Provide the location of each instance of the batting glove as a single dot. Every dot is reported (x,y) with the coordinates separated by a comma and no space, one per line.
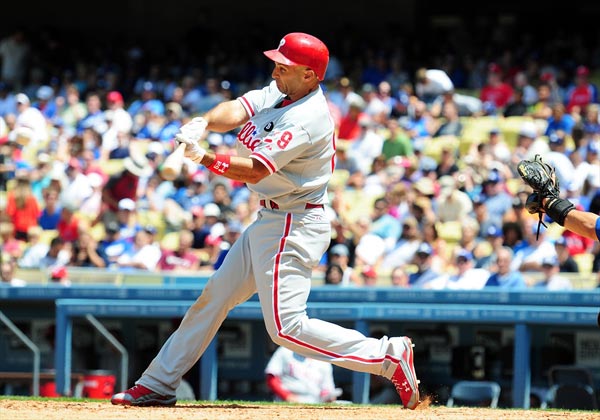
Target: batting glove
(190,134)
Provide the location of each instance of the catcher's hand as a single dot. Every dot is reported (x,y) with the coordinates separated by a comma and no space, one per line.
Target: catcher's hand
(540,176)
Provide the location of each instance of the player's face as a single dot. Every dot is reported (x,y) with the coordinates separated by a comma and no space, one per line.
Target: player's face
(289,79)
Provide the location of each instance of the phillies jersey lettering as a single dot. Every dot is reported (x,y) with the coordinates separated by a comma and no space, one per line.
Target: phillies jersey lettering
(289,143)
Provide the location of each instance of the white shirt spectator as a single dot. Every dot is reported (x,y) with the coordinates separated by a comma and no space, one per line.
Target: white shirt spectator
(32,119)
(437,83)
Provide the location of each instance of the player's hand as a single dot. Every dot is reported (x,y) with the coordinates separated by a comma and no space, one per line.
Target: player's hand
(293,398)
(190,134)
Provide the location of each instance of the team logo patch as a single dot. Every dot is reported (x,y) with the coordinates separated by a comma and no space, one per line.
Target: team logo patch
(281,43)
(269,127)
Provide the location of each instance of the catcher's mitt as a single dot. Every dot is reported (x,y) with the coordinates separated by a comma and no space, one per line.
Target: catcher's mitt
(541,177)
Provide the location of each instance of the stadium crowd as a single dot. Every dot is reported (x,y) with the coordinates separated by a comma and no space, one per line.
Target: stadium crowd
(425,191)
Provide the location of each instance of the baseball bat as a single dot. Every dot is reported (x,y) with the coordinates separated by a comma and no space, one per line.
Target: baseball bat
(171,167)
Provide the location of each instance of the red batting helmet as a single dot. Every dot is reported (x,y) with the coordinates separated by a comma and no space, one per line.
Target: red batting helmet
(299,49)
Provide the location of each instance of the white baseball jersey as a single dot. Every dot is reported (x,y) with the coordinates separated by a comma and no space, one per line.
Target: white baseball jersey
(306,378)
(291,143)
(276,254)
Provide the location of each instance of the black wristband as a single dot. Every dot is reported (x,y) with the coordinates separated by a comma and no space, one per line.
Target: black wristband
(558,208)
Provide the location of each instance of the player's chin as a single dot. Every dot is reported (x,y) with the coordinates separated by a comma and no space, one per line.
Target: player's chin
(280,86)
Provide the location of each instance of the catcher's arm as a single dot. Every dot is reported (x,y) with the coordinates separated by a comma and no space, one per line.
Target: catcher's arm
(583,223)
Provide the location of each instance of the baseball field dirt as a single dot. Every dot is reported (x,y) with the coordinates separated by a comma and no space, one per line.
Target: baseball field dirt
(18,409)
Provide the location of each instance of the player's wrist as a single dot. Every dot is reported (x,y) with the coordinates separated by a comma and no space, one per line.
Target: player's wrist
(557,209)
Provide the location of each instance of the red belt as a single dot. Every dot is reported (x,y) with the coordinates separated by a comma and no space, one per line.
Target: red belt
(275,206)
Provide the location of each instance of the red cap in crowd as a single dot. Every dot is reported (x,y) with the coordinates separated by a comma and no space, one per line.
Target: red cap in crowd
(114,96)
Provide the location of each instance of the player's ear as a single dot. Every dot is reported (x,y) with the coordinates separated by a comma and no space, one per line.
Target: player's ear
(309,74)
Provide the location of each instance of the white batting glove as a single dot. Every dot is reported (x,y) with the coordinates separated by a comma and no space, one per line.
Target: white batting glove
(190,134)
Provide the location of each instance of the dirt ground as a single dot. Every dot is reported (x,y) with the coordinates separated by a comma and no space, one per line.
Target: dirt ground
(94,410)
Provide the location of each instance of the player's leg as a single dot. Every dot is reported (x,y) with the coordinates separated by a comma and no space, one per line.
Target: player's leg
(232,284)
(283,258)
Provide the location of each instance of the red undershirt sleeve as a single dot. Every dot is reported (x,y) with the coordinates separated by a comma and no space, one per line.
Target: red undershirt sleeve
(274,384)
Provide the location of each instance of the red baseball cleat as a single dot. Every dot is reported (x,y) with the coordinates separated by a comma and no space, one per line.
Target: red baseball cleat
(405,377)
(141,396)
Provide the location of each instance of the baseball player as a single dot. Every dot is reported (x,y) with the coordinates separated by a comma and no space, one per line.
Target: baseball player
(295,378)
(285,154)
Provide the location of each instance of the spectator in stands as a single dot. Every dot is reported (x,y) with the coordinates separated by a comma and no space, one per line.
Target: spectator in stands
(344,161)
(396,142)
(557,158)
(142,255)
(295,378)
(399,277)
(551,278)
(383,224)
(542,108)
(91,206)
(486,252)
(469,234)
(50,215)
(174,115)
(451,126)
(151,120)
(233,230)
(534,249)
(85,253)
(447,164)
(517,106)
(126,217)
(35,250)
(58,255)
(69,224)
(419,123)
(111,247)
(503,276)
(431,83)
(466,277)
(9,245)
(496,91)
(497,200)
(121,120)
(407,245)
(73,110)
(522,83)
(123,185)
(467,105)
(482,216)
(22,207)
(30,123)
(397,197)
(339,254)
(95,118)
(349,128)
(566,262)
(182,259)
(497,146)
(582,92)
(77,188)
(7,273)
(560,121)
(333,274)
(367,146)
(452,204)
(426,276)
